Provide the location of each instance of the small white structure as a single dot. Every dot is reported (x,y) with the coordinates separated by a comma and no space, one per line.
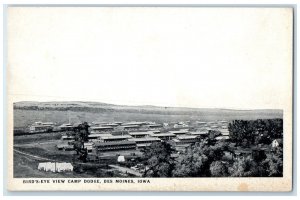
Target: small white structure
(121,159)
(165,124)
(55,167)
(223,137)
(276,143)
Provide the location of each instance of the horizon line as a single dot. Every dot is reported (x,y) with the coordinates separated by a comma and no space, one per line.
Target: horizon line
(149,105)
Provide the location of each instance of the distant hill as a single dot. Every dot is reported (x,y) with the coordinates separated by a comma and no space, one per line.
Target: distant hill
(28,112)
(86,106)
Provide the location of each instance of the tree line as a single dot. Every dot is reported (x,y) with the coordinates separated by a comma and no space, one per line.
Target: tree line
(255,131)
(202,160)
(210,158)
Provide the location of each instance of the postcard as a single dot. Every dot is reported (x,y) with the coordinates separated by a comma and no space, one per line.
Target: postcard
(149,98)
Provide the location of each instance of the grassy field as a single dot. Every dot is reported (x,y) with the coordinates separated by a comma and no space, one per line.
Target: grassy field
(37,138)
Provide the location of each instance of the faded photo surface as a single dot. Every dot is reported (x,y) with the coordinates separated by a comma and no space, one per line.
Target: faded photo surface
(149,98)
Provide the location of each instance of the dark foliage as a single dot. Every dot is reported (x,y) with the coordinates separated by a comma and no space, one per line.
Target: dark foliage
(255,131)
(81,136)
(158,160)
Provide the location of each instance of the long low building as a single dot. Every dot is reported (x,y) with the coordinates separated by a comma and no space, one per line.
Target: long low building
(66,127)
(140,134)
(41,127)
(224,131)
(129,127)
(113,146)
(110,125)
(68,137)
(143,142)
(153,131)
(96,136)
(100,129)
(114,138)
(164,136)
(134,123)
(180,132)
(186,139)
(155,126)
(201,134)
(119,133)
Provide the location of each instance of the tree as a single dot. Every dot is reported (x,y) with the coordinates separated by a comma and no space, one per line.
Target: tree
(256,131)
(247,167)
(82,130)
(218,169)
(239,130)
(213,133)
(158,160)
(192,164)
(197,160)
(274,163)
(81,136)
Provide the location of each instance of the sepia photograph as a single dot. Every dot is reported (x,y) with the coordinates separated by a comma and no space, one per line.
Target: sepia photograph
(149,98)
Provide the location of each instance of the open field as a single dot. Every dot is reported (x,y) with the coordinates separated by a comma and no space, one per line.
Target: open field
(37,138)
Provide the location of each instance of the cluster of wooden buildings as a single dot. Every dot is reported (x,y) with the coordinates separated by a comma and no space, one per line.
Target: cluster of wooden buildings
(119,136)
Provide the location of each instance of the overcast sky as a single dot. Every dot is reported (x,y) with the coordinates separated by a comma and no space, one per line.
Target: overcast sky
(191,57)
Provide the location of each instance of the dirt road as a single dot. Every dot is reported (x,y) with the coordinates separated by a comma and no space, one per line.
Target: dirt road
(126,170)
(33,156)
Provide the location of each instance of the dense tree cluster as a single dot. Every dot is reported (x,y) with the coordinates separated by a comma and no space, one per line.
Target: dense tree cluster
(158,159)
(221,158)
(255,131)
(202,160)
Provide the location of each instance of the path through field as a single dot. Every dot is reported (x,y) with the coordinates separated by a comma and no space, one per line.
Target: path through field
(33,156)
(35,144)
(126,170)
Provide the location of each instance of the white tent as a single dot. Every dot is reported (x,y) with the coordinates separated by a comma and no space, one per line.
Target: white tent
(55,167)
(121,159)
